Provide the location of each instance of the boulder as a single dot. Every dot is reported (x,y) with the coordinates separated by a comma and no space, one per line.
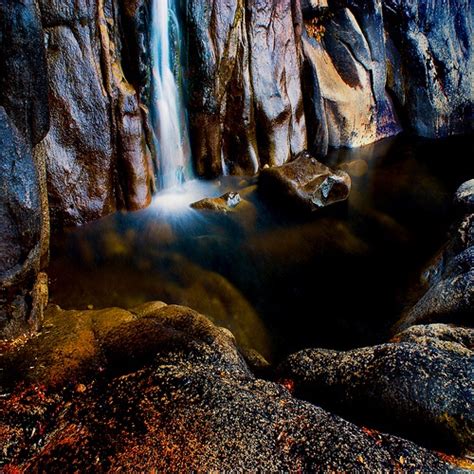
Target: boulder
(418,386)
(224,204)
(448,280)
(306,183)
(20,228)
(173,392)
(430,56)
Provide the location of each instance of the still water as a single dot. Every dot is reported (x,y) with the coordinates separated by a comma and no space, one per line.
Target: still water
(339,278)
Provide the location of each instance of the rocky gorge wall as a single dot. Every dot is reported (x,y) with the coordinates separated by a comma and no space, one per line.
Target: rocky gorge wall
(267,80)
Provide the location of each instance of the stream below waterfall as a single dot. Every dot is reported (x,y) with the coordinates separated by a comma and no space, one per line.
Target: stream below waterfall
(339,278)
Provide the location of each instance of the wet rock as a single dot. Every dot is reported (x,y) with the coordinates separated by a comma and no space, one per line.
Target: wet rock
(246,107)
(95,150)
(464,197)
(191,403)
(419,388)
(345,99)
(430,57)
(225,203)
(23,69)
(305,182)
(20,228)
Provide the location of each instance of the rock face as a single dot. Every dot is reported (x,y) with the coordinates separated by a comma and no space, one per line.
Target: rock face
(24,121)
(306,182)
(20,227)
(419,385)
(430,56)
(96,146)
(246,105)
(345,74)
(174,393)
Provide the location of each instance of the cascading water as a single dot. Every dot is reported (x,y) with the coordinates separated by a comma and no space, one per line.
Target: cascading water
(168,111)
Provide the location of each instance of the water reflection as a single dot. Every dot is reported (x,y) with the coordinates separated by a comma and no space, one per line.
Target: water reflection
(336,279)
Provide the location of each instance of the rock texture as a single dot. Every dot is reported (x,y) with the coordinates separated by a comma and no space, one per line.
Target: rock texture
(96,146)
(167,390)
(419,385)
(305,183)
(345,74)
(246,105)
(20,227)
(24,121)
(430,57)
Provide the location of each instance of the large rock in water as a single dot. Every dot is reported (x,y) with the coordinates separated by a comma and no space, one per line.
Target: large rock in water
(95,152)
(420,385)
(430,56)
(246,105)
(305,183)
(161,388)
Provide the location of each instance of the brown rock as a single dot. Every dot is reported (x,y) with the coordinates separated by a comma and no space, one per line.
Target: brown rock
(305,182)
(225,203)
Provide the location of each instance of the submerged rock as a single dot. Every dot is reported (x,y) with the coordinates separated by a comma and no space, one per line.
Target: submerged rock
(167,277)
(225,203)
(173,392)
(305,182)
(419,385)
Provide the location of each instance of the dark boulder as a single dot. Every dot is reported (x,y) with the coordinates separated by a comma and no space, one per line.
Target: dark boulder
(170,391)
(464,197)
(20,227)
(430,56)
(420,388)
(306,183)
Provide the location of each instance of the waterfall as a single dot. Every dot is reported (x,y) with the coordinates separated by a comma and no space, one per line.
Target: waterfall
(168,112)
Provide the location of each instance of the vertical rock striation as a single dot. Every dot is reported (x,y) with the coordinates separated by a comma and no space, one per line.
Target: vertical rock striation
(95,150)
(246,105)
(24,121)
(430,58)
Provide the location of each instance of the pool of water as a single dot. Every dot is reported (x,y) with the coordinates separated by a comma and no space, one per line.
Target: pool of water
(338,278)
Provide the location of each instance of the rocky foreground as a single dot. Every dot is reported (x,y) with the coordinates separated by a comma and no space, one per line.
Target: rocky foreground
(161,387)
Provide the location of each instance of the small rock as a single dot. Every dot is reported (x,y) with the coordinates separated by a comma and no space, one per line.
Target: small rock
(224,203)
